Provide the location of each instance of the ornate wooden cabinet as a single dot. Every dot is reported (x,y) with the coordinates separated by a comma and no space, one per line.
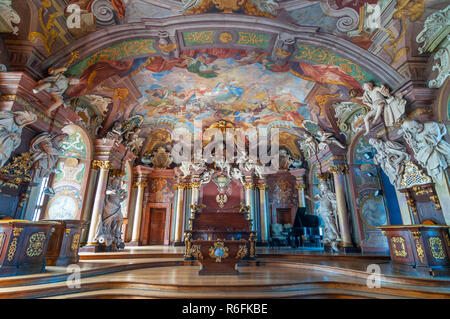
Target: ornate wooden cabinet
(422,248)
(219,240)
(65,242)
(23,246)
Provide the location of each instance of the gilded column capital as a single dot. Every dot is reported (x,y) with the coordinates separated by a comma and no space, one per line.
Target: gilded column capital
(300,186)
(195,185)
(182,185)
(102,164)
(262,186)
(142,184)
(249,185)
(336,169)
(322,176)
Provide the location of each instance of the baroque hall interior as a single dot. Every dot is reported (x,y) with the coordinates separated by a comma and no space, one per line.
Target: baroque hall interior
(203,144)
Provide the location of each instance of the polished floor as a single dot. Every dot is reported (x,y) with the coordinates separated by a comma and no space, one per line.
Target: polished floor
(141,272)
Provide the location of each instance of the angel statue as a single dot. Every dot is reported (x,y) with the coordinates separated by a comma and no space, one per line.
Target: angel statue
(391,157)
(310,145)
(327,211)
(379,100)
(55,84)
(326,138)
(11,125)
(430,148)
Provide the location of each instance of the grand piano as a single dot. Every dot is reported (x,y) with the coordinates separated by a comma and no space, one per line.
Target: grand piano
(306,231)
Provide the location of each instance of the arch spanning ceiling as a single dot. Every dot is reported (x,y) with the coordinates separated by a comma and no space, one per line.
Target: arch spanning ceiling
(253,71)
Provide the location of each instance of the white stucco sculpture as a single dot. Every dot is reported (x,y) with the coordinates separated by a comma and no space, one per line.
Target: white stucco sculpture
(55,84)
(45,151)
(430,149)
(327,211)
(11,125)
(391,157)
(380,100)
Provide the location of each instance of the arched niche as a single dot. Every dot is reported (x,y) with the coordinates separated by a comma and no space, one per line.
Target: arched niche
(71,180)
(369,189)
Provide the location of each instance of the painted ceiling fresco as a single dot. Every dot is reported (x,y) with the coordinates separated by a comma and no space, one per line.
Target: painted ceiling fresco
(196,71)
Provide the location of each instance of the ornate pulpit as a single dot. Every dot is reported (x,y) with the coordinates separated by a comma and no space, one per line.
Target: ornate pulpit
(219,240)
(421,248)
(23,245)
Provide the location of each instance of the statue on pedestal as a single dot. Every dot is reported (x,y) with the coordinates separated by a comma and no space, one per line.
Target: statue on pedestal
(430,149)
(11,125)
(45,150)
(379,99)
(109,231)
(327,211)
(392,157)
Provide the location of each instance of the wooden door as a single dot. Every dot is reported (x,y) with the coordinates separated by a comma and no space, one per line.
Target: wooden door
(157,226)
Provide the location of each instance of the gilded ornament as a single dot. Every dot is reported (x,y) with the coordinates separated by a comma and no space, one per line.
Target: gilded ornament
(107,165)
(12,249)
(437,250)
(300,187)
(17,231)
(399,252)
(228,6)
(226,37)
(36,245)
(435,200)
(219,251)
(75,242)
(242,252)
(196,252)
(249,186)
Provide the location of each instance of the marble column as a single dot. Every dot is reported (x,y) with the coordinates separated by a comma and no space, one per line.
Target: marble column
(100,190)
(249,186)
(137,218)
(301,194)
(195,185)
(179,214)
(338,171)
(264,214)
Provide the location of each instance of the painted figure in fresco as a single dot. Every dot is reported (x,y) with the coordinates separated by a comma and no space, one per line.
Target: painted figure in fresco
(430,149)
(11,125)
(379,99)
(109,231)
(56,85)
(45,151)
(392,157)
(327,211)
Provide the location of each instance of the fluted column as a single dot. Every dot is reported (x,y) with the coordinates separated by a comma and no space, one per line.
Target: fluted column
(137,219)
(179,213)
(264,218)
(100,190)
(342,212)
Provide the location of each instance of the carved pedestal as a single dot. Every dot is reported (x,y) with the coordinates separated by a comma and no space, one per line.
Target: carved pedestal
(23,246)
(422,248)
(65,242)
(219,257)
